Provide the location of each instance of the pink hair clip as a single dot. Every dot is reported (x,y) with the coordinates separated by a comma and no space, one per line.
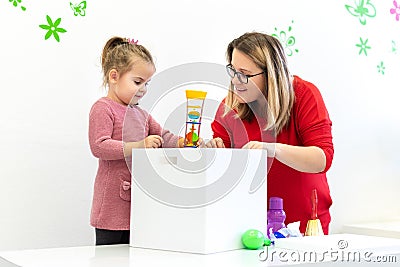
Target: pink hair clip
(132,41)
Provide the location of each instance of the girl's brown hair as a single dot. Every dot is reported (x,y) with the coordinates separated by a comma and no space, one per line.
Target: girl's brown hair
(120,54)
(268,54)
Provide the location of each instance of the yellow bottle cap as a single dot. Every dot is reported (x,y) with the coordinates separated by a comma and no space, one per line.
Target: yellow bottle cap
(196,94)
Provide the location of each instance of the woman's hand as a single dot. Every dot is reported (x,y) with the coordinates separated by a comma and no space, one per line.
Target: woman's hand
(200,142)
(215,143)
(270,147)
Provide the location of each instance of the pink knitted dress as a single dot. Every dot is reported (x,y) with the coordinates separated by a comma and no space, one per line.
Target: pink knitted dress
(111,198)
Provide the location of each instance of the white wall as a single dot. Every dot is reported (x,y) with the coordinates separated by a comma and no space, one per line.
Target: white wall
(46,168)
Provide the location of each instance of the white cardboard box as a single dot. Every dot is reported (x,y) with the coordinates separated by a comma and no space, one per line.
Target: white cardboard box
(197,200)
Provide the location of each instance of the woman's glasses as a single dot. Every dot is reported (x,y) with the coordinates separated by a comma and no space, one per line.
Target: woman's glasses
(243,78)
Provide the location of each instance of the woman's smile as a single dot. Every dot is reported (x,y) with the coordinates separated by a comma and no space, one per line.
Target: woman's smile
(240,89)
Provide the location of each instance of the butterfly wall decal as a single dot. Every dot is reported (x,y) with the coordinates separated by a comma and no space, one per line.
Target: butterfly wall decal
(79,9)
(362,10)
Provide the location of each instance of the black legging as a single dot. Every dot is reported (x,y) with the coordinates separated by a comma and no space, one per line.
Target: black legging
(111,237)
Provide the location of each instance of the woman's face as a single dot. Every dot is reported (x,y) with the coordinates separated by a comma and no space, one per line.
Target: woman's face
(252,91)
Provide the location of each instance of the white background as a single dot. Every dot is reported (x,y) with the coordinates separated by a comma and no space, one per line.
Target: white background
(46,168)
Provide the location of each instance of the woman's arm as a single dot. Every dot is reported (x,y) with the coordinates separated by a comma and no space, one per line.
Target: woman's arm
(309,159)
(221,137)
(314,151)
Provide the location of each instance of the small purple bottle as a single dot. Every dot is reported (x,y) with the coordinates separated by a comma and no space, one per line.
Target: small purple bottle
(276,215)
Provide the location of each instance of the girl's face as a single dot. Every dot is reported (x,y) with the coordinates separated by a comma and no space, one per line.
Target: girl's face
(250,92)
(130,87)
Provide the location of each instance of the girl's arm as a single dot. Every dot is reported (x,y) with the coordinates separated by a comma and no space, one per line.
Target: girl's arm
(101,127)
(169,139)
(128,146)
(151,141)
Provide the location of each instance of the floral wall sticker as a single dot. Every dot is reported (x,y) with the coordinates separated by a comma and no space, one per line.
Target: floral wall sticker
(16,3)
(396,10)
(288,41)
(363,46)
(361,10)
(381,68)
(52,28)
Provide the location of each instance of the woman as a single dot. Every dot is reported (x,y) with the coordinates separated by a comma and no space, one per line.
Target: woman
(268,108)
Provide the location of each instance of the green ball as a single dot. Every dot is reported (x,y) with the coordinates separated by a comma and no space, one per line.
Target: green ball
(253,239)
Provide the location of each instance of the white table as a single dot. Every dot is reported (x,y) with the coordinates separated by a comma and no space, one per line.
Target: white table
(123,255)
(386,228)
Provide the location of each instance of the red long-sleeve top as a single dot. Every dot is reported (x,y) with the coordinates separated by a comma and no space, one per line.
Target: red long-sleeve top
(309,125)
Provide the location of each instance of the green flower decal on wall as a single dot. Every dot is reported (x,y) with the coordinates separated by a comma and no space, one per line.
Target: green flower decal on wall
(381,68)
(16,2)
(79,9)
(52,28)
(287,40)
(363,46)
(362,10)
(394,47)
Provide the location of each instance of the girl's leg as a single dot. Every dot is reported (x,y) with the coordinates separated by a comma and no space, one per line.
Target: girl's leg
(111,237)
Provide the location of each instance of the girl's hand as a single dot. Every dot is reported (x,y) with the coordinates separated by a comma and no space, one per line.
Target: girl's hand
(152,141)
(270,147)
(215,143)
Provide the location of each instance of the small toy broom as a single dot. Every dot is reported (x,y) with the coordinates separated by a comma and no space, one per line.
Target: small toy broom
(314,227)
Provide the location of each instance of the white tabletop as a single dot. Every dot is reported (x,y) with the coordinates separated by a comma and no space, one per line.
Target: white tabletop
(385,228)
(123,256)
(283,253)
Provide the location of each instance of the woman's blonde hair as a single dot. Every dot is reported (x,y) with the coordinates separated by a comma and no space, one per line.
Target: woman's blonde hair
(268,54)
(120,54)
